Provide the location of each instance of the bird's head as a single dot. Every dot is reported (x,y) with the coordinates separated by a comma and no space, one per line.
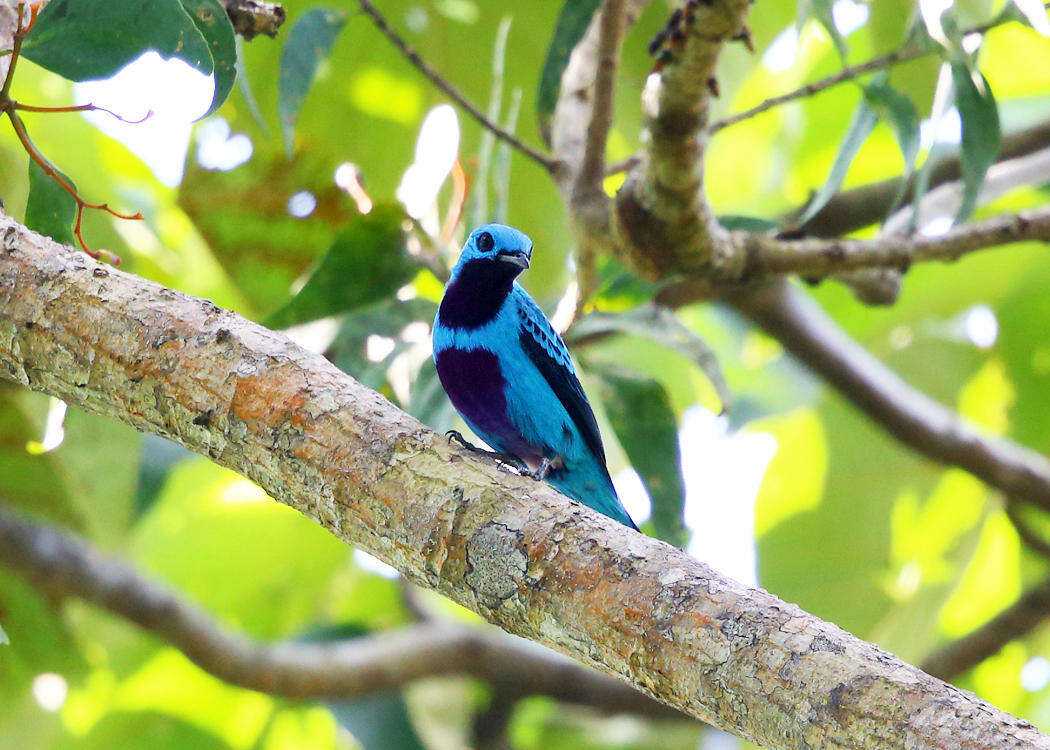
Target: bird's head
(505,246)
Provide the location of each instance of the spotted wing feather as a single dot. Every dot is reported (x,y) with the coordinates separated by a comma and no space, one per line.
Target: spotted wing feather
(548,353)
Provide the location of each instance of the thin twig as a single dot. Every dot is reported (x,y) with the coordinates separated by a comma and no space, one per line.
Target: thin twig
(80,108)
(16,47)
(909,51)
(451,91)
(50,170)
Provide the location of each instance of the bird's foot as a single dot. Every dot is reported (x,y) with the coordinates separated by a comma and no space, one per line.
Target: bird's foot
(541,471)
(503,458)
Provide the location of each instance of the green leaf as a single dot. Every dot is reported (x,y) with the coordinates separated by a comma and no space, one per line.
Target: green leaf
(4,640)
(981,135)
(660,325)
(640,412)
(367,262)
(572,24)
(863,122)
(84,39)
(50,209)
(898,110)
(214,25)
(378,722)
(748,224)
(308,44)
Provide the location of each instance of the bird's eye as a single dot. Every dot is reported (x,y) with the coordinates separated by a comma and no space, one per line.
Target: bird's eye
(485,242)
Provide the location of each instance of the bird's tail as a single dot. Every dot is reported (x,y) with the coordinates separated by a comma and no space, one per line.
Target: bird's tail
(595,490)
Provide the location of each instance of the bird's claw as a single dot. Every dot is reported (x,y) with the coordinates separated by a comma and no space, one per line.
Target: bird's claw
(502,458)
(457,436)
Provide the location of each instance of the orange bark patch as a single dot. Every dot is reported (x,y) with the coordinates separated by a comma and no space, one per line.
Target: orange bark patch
(267,399)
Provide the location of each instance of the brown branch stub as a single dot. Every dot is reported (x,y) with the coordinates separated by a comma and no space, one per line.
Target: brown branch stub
(507,547)
(63,565)
(253,17)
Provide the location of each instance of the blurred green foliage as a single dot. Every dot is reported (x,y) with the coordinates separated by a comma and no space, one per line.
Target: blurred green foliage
(847,523)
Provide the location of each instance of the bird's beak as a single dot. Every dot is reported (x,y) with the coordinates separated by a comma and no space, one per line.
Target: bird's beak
(517,257)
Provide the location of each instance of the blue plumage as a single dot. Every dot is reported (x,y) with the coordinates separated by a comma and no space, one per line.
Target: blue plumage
(509,375)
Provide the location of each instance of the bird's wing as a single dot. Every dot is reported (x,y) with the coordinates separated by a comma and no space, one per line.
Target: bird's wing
(546,350)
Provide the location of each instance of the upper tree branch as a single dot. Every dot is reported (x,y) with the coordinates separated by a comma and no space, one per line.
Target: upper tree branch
(63,565)
(916,420)
(451,91)
(763,254)
(507,547)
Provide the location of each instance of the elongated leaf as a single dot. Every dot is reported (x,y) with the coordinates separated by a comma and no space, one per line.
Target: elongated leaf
(308,44)
(366,263)
(899,112)
(863,122)
(50,209)
(981,136)
(572,23)
(640,412)
(660,325)
(214,25)
(748,223)
(85,39)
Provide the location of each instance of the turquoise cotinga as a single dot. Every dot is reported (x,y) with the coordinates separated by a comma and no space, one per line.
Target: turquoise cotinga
(509,375)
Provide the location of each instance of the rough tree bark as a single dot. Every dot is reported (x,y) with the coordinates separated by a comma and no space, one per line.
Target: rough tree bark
(511,549)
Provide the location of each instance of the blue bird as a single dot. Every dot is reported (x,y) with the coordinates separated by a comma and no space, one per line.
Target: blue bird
(509,375)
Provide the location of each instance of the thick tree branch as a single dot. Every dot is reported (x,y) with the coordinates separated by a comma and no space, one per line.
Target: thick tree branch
(451,91)
(805,331)
(509,548)
(253,17)
(1024,615)
(63,565)
(859,207)
(763,254)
